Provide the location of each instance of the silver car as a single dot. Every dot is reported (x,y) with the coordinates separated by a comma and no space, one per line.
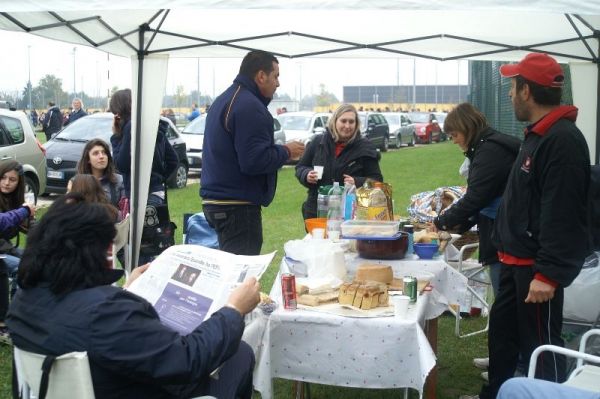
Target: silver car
(18,141)
(402,131)
(303,125)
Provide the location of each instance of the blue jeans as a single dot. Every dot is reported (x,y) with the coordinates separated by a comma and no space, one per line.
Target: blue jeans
(527,388)
(238,227)
(12,266)
(495,277)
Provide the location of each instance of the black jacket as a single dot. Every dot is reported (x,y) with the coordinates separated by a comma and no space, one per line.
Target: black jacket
(73,116)
(53,121)
(131,354)
(492,155)
(358,159)
(542,218)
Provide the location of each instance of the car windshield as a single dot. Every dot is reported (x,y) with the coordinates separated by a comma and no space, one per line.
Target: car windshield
(196,126)
(419,117)
(295,122)
(393,119)
(86,129)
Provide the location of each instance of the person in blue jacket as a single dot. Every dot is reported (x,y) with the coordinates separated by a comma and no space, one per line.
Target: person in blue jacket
(67,303)
(240,159)
(9,220)
(194,114)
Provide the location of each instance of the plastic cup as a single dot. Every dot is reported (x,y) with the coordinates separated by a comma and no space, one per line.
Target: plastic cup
(333,235)
(318,233)
(400,303)
(319,170)
(30,198)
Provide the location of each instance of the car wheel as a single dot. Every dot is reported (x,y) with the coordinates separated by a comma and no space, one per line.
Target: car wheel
(412,142)
(179,177)
(31,187)
(398,141)
(385,145)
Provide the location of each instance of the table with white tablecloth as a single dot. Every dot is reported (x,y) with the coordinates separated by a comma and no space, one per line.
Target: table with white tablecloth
(379,352)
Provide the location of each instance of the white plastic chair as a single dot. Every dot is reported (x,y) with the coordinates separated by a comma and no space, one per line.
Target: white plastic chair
(69,375)
(585,376)
(122,241)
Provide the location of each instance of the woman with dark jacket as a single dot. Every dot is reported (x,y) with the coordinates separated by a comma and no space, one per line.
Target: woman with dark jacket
(165,159)
(346,157)
(491,156)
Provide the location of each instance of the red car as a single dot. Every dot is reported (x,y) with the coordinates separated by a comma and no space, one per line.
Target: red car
(427,128)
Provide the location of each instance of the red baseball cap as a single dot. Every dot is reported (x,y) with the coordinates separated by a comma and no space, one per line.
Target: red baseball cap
(538,68)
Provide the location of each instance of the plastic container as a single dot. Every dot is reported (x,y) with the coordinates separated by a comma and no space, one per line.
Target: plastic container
(410,230)
(394,248)
(314,223)
(335,215)
(322,201)
(369,228)
(425,251)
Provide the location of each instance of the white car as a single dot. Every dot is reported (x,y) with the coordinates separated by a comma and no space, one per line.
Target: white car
(303,125)
(18,141)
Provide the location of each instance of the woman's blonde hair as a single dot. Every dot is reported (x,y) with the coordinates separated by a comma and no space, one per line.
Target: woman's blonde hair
(466,119)
(342,109)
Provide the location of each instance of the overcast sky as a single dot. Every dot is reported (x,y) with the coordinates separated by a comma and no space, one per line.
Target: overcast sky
(96,72)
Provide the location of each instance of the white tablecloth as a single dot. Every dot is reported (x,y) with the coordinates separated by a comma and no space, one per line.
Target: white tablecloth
(382,352)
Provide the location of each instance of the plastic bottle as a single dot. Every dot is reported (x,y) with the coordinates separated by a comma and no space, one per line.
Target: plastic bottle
(349,201)
(378,209)
(322,198)
(410,230)
(334,209)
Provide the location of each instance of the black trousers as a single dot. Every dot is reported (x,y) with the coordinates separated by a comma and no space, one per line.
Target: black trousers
(3,290)
(238,227)
(517,328)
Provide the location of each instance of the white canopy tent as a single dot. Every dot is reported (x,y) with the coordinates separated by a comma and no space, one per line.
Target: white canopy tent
(153,30)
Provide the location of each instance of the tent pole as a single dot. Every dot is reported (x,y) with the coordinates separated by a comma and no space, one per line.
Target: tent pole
(136,152)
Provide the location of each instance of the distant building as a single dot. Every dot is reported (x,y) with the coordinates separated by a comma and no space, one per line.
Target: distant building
(425,94)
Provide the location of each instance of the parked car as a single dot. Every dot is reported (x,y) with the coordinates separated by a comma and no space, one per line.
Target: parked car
(193,134)
(440,117)
(63,151)
(402,131)
(18,141)
(426,127)
(375,127)
(303,125)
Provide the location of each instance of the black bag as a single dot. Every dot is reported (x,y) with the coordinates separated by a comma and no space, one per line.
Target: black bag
(159,232)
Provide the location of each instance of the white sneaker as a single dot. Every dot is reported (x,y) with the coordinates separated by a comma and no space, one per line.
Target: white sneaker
(481,362)
(485,376)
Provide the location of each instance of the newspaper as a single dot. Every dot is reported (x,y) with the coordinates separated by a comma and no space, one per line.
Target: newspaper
(188,283)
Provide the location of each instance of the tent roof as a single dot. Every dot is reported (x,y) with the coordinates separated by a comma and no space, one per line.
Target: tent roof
(482,29)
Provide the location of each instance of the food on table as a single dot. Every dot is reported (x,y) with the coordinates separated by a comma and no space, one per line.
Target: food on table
(364,295)
(264,298)
(375,272)
(318,299)
(425,236)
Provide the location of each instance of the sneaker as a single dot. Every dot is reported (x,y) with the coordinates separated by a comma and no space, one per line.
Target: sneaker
(4,336)
(485,376)
(481,362)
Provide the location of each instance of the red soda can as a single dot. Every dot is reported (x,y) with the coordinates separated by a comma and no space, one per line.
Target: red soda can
(288,291)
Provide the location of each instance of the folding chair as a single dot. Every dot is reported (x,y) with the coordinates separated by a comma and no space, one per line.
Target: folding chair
(585,376)
(471,272)
(41,376)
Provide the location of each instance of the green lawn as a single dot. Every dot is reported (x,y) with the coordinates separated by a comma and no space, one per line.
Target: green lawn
(409,170)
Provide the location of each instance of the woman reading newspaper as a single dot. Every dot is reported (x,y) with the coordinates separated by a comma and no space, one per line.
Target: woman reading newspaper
(67,303)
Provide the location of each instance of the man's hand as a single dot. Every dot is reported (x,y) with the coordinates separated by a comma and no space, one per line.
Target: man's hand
(135,273)
(245,297)
(539,292)
(296,149)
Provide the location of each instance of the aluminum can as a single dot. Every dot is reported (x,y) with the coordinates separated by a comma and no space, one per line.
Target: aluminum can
(288,291)
(410,288)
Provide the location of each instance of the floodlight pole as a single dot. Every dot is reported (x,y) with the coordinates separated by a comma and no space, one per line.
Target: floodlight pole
(74,80)
(29,77)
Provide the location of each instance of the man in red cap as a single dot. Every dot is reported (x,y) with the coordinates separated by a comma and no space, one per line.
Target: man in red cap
(540,228)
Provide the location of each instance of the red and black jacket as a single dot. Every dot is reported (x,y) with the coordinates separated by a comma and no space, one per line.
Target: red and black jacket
(541,222)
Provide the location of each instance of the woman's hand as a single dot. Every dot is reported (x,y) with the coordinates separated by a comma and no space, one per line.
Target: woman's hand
(31,209)
(349,179)
(135,273)
(312,177)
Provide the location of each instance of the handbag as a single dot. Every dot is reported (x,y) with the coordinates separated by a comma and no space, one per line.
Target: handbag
(158,233)
(123,207)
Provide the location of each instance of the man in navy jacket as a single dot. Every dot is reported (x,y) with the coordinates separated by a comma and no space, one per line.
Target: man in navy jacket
(240,158)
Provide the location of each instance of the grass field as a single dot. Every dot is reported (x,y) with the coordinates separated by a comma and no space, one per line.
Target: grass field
(409,170)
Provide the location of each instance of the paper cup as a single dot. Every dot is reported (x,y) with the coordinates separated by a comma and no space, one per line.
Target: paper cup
(318,233)
(400,303)
(319,170)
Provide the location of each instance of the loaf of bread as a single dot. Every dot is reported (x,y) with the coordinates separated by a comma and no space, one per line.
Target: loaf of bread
(318,299)
(363,295)
(375,272)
